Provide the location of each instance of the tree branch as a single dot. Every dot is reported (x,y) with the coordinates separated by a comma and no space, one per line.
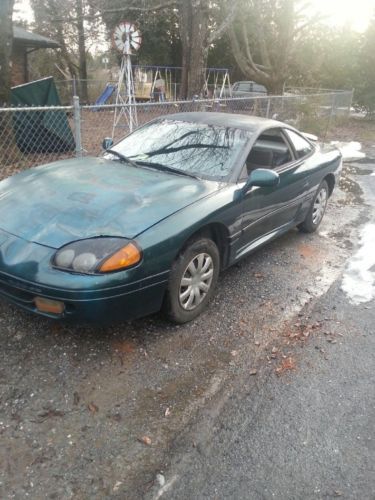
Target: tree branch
(226,23)
(310,22)
(247,64)
(88,17)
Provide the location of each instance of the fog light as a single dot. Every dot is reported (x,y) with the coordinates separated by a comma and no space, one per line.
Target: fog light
(49,306)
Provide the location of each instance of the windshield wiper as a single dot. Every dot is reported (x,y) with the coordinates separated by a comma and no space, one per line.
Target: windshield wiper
(122,157)
(160,166)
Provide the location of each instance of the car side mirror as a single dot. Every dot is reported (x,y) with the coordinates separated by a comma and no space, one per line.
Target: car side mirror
(262,177)
(107,143)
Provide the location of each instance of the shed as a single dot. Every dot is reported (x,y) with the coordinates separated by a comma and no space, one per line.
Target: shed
(25,42)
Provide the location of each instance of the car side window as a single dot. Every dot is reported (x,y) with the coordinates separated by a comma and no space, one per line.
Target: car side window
(259,88)
(269,151)
(244,87)
(301,145)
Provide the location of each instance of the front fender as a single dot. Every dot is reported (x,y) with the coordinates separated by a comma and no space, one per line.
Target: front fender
(162,242)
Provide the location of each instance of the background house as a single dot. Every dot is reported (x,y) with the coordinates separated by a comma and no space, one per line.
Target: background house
(25,42)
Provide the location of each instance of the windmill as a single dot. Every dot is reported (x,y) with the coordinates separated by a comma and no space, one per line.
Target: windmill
(126,39)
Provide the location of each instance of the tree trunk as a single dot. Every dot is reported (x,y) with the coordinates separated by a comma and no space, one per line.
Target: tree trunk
(194,35)
(6,42)
(275,86)
(81,52)
(185,33)
(198,49)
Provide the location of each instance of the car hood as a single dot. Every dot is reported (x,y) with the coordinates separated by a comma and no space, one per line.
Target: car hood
(82,198)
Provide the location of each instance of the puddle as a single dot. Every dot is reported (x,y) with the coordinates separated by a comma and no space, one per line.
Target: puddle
(349,150)
(359,278)
(365,161)
(351,169)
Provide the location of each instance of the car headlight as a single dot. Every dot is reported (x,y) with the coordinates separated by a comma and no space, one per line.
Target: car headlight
(97,255)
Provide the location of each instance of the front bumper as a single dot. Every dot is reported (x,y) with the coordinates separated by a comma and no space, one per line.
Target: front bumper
(26,274)
(104,306)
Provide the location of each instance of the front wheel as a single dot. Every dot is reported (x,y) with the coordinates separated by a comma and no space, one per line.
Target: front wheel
(192,280)
(317,210)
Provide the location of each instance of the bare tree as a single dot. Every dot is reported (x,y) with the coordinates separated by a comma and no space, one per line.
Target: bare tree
(67,22)
(54,19)
(264,39)
(6,41)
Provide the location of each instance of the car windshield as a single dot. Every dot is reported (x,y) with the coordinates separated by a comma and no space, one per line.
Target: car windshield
(197,149)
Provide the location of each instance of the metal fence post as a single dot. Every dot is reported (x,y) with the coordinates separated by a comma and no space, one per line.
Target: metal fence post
(77,126)
(268,108)
(350,102)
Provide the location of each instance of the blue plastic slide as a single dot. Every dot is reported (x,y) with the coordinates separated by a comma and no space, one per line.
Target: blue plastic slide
(106,94)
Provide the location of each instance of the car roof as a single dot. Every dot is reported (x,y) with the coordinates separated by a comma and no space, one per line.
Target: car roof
(245,122)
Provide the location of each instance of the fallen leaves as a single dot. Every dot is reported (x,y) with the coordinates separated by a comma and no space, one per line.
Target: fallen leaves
(124,346)
(92,407)
(301,331)
(307,251)
(286,365)
(145,440)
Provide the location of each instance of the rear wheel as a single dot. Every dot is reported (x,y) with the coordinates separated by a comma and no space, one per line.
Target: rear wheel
(317,210)
(192,280)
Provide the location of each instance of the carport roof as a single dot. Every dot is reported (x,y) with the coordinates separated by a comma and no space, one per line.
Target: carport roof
(28,39)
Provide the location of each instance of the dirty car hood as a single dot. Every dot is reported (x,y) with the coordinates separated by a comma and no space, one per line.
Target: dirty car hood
(81,198)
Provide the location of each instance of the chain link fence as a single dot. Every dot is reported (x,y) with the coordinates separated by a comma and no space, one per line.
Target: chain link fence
(35,136)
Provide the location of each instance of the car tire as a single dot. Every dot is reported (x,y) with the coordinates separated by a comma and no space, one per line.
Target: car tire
(317,210)
(192,280)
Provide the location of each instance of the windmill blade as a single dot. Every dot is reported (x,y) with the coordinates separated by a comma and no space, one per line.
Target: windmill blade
(128,28)
(126,31)
(136,40)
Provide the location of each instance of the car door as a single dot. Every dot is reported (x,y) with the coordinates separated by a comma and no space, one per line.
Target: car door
(268,210)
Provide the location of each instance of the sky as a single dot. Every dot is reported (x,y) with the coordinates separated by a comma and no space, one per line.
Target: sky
(356,13)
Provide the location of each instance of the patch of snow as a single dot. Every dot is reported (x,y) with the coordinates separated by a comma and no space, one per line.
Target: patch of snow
(349,150)
(358,281)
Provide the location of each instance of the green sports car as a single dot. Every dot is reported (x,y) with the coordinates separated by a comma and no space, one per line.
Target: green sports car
(151,223)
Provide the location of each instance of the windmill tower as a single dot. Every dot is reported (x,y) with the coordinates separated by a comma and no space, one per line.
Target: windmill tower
(126,38)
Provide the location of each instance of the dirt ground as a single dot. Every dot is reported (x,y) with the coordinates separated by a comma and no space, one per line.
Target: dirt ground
(98,413)
(356,129)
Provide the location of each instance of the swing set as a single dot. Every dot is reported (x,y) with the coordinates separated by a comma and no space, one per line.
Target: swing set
(217,83)
(149,79)
(146,79)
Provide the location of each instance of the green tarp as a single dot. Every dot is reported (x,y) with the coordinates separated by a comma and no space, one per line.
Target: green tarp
(40,131)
